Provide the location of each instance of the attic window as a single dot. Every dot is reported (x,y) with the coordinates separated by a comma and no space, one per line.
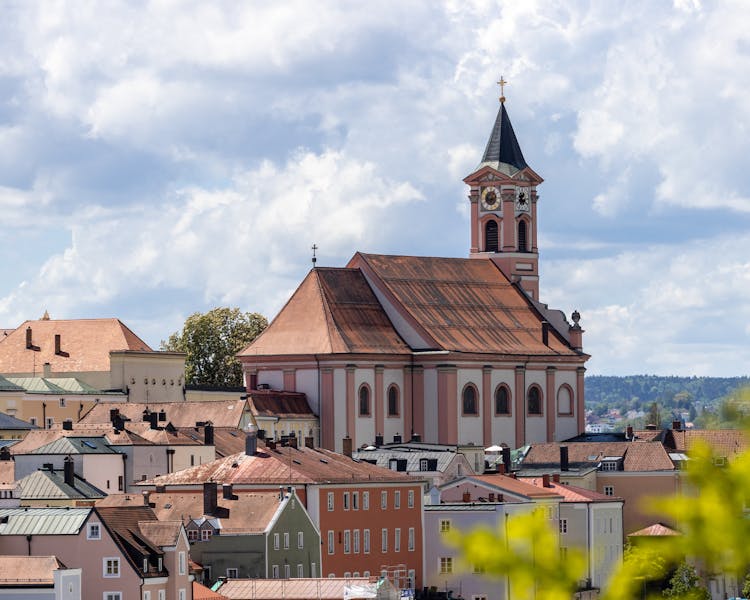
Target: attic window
(145,564)
(91,445)
(324,461)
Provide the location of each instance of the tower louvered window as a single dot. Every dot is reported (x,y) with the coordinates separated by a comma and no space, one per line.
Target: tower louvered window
(522,247)
(491,239)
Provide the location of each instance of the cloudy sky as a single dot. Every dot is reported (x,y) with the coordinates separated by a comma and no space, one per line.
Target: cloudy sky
(161,158)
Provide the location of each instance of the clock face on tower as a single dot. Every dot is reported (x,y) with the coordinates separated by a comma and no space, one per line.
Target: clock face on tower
(490,198)
(523,199)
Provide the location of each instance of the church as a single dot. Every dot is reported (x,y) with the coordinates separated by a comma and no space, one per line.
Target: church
(440,350)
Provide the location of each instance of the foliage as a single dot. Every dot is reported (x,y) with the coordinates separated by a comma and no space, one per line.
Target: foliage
(211,341)
(685,583)
(746,586)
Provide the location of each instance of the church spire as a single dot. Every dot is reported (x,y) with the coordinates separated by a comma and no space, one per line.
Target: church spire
(502,147)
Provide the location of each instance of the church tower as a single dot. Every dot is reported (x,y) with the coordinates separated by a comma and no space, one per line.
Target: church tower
(503,199)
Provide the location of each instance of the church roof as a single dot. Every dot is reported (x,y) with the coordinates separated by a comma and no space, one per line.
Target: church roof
(502,149)
(462,305)
(333,311)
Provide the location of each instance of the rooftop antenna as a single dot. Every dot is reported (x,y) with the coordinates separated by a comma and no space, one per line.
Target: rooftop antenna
(314,258)
(502,83)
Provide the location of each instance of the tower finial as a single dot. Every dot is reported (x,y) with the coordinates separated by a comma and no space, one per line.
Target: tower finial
(314,258)
(502,83)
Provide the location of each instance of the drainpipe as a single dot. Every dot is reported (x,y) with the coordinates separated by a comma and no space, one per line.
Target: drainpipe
(44,414)
(28,541)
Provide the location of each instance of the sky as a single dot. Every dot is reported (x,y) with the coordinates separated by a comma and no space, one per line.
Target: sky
(160,158)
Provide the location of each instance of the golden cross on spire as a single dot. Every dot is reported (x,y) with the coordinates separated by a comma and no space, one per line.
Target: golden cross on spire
(502,83)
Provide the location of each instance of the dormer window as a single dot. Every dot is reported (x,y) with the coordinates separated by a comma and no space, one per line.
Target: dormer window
(160,563)
(424,465)
(145,564)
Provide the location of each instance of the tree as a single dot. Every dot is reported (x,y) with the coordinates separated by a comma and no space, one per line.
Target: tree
(211,341)
(685,583)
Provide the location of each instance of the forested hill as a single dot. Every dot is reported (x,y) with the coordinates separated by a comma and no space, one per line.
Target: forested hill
(638,392)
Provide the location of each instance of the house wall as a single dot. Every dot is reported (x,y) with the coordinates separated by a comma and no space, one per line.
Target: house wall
(148,376)
(177,580)
(607,539)
(293,520)
(246,553)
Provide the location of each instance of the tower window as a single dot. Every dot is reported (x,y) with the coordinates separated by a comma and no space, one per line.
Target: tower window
(491,239)
(364,401)
(522,247)
(534,398)
(470,400)
(393,401)
(502,401)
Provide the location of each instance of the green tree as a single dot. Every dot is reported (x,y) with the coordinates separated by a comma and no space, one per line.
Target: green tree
(211,341)
(685,583)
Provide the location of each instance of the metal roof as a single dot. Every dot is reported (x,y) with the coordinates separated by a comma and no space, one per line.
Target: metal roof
(502,147)
(413,458)
(42,521)
(57,385)
(50,485)
(76,445)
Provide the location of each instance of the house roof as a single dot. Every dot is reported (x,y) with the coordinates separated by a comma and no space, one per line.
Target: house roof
(382,456)
(222,413)
(42,521)
(462,305)
(28,571)
(502,146)
(75,445)
(572,493)
(724,442)
(513,486)
(291,589)
(124,525)
(201,592)
(655,530)
(59,385)
(9,422)
(86,342)
(163,533)
(333,311)
(9,386)
(635,456)
(227,440)
(272,403)
(284,465)
(50,485)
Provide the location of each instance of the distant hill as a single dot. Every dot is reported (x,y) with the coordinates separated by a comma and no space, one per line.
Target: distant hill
(639,392)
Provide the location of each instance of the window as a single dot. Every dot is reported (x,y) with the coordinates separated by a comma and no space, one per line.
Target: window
(534,398)
(287,571)
(355,500)
(365,500)
(355,545)
(478,569)
(232,573)
(113,596)
(205,535)
(275,541)
(491,239)
(300,571)
(469,397)
(300,539)
(120,483)
(609,490)
(410,539)
(364,401)
(609,465)
(564,400)
(94,531)
(446,565)
(162,594)
(182,563)
(397,499)
(49,422)
(62,402)
(330,500)
(397,540)
(563,526)
(347,541)
(313,570)
(146,595)
(286,540)
(384,540)
(522,246)
(366,541)
(32,420)
(384,500)
(502,400)
(393,404)
(346,500)
(445,525)
(410,499)
(424,464)
(274,571)
(181,594)
(331,545)
(111,567)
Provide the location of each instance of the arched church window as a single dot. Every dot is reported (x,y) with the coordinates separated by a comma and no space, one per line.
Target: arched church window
(364,401)
(502,400)
(565,400)
(491,239)
(534,400)
(469,400)
(522,247)
(393,401)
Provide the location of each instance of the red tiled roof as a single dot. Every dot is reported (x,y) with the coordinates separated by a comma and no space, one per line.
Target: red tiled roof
(201,592)
(516,486)
(87,343)
(123,524)
(572,493)
(331,588)
(332,311)
(282,466)
(274,403)
(463,305)
(655,530)
(724,442)
(637,456)
(28,571)
(161,533)
(222,413)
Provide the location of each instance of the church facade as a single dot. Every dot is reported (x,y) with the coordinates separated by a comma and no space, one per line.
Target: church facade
(442,350)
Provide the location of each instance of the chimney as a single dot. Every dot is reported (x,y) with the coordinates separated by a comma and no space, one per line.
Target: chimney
(251,440)
(575,332)
(506,459)
(162,415)
(46,370)
(347,451)
(226,490)
(208,434)
(146,497)
(466,497)
(556,477)
(397,439)
(492,497)
(4,453)
(292,441)
(677,425)
(153,418)
(58,348)
(545,333)
(67,425)
(564,463)
(146,414)
(68,472)
(545,480)
(379,440)
(416,437)
(309,442)
(209,498)
(115,412)
(270,444)
(629,432)
(29,343)
(501,468)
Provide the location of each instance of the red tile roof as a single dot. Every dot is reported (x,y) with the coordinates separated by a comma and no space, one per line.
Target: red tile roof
(636,456)
(201,592)
(516,486)
(725,442)
(87,343)
(332,311)
(222,413)
(572,493)
(273,403)
(462,305)
(282,466)
(123,524)
(331,588)
(655,530)
(28,571)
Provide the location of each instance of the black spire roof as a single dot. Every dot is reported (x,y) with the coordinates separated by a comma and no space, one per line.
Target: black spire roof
(502,147)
